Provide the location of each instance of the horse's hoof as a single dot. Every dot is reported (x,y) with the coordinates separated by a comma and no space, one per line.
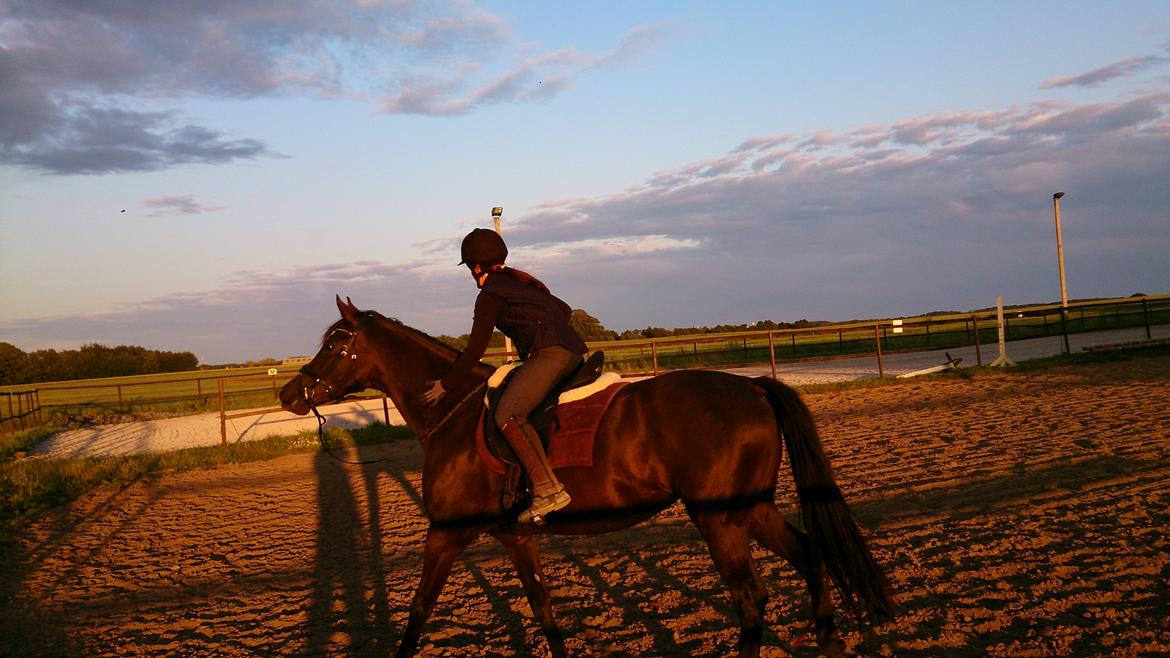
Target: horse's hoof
(833,647)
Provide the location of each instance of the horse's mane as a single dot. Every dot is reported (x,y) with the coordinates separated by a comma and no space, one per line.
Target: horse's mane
(429,342)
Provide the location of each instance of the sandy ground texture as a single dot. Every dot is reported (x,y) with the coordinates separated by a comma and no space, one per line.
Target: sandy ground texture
(1017,515)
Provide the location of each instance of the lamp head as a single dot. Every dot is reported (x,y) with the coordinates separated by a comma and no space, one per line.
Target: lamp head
(1058,195)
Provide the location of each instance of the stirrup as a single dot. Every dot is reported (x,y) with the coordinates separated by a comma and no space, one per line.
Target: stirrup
(542,505)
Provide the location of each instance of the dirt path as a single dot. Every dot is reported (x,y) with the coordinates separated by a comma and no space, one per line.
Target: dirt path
(1018,515)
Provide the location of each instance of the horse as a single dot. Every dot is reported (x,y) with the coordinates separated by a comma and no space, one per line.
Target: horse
(710,439)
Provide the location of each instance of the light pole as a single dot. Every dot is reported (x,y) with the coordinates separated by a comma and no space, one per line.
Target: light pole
(498,212)
(1060,261)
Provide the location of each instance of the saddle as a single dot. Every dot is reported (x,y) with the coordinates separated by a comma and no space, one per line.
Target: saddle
(515,495)
(544,417)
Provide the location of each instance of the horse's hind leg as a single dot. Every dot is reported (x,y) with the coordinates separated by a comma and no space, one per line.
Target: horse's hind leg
(767,526)
(439,553)
(522,550)
(727,540)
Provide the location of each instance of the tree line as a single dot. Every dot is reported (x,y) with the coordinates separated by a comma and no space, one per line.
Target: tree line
(591,329)
(95,361)
(91,361)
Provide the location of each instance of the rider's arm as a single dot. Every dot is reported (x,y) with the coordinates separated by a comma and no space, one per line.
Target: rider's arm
(488,307)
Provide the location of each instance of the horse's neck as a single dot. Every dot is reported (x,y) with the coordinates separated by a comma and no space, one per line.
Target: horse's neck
(408,360)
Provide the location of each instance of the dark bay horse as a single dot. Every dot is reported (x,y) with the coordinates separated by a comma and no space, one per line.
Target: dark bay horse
(713,440)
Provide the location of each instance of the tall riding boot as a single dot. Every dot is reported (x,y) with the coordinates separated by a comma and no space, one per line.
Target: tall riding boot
(548,494)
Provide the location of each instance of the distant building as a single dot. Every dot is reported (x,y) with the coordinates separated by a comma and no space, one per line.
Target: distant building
(295,360)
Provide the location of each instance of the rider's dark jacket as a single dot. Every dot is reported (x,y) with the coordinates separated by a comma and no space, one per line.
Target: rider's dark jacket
(531,316)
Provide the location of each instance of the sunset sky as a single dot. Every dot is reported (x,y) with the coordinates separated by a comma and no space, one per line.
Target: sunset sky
(206,176)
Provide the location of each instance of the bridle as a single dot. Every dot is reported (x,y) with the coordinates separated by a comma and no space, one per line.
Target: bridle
(322,378)
(307,391)
(346,350)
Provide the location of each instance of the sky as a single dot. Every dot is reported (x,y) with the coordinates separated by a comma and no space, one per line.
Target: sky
(206,177)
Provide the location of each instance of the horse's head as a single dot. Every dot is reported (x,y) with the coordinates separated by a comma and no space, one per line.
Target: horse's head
(337,370)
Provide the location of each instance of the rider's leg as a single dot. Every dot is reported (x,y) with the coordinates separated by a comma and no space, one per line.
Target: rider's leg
(548,494)
(528,386)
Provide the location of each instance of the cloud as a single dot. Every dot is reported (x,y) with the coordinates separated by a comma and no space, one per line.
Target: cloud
(1119,69)
(184,204)
(536,77)
(963,192)
(89,88)
(93,140)
(939,211)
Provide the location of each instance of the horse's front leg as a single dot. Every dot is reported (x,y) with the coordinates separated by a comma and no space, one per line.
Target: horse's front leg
(522,550)
(439,553)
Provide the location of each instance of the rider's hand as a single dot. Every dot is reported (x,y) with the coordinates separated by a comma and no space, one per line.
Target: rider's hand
(435,392)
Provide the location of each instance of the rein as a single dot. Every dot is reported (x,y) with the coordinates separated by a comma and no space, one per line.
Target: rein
(456,407)
(325,446)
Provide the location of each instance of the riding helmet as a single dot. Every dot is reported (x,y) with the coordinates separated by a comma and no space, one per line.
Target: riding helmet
(483,246)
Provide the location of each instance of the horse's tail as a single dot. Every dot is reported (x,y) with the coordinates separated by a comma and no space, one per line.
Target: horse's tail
(836,539)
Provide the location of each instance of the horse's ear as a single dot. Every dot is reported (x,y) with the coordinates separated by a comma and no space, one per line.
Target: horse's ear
(349,312)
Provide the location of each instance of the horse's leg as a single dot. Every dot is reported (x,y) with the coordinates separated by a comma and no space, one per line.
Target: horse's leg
(522,550)
(767,526)
(727,540)
(439,553)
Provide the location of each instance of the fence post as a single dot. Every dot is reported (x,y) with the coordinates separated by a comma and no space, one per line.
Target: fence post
(222,416)
(877,339)
(772,353)
(386,411)
(654,355)
(1146,315)
(975,324)
(1064,327)
(119,387)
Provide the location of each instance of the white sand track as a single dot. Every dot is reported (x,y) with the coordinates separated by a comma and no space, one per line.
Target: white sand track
(168,434)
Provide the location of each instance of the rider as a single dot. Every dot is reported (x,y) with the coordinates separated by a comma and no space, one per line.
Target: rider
(538,322)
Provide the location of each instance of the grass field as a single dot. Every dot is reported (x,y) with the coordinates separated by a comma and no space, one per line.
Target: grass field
(169,393)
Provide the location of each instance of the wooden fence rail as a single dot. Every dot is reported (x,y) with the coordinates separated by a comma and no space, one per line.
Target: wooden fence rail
(224,416)
(21,409)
